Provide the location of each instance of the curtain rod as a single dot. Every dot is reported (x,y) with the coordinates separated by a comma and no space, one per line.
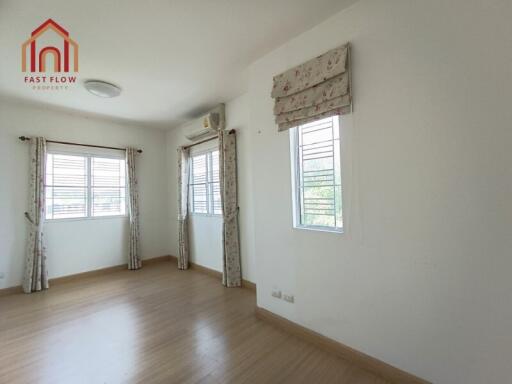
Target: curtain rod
(206,140)
(25,138)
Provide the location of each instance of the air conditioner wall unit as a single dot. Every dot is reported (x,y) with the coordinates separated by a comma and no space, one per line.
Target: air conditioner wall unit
(206,126)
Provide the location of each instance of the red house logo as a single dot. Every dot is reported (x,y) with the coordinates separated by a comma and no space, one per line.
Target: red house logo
(41,56)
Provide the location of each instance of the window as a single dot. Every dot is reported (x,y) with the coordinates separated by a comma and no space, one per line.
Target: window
(79,186)
(204,183)
(108,187)
(316,167)
(66,186)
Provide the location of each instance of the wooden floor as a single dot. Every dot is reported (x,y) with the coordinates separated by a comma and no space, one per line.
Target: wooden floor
(155,325)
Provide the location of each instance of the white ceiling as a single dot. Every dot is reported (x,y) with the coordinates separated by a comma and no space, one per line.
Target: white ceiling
(173,59)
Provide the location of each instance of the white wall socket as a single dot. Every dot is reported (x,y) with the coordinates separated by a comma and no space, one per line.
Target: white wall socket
(288,298)
(276,293)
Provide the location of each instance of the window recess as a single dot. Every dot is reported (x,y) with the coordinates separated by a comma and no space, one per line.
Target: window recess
(204,183)
(316,167)
(83,185)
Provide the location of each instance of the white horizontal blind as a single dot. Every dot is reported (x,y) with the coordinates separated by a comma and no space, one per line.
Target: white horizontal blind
(215,183)
(108,187)
(199,184)
(318,174)
(66,186)
(84,185)
(204,185)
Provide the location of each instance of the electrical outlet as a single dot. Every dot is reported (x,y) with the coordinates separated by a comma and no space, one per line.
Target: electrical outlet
(288,298)
(276,293)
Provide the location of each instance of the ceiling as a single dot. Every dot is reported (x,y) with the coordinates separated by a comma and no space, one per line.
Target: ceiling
(174,59)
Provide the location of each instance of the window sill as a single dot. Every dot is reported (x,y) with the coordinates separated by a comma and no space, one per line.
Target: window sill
(49,221)
(339,231)
(206,215)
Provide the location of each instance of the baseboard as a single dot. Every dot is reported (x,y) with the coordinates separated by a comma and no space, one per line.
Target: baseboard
(103,271)
(205,270)
(82,275)
(371,364)
(212,272)
(78,276)
(158,259)
(10,290)
(249,285)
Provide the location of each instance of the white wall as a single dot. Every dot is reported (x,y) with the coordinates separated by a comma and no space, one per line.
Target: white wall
(206,231)
(206,241)
(75,246)
(421,277)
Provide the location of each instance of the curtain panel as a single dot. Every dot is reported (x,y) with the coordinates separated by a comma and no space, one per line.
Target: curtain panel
(134,257)
(183,176)
(36,275)
(232,273)
(316,89)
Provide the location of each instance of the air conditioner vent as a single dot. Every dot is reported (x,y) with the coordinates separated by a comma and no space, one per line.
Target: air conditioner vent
(206,126)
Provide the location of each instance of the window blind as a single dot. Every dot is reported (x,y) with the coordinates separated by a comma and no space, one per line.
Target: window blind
(205,183)
(66,186)
(199,184)
(319,88)
(84,186)
(108,187)
(215,184)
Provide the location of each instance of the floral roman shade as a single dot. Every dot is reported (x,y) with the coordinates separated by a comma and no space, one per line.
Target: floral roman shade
(316,89)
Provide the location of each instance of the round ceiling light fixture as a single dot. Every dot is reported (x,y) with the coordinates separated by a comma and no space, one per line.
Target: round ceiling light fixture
(102,88)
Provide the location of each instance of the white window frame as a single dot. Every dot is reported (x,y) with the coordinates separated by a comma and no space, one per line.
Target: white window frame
(296,187)
(209,176)
(88,197)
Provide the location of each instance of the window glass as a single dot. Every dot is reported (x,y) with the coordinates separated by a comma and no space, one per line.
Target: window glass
(84,186)
(317,174)
(108,187)
(66,186)
(204,183)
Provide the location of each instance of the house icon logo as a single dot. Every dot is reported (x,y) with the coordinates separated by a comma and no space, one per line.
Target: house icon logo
(48,55)
(39,55)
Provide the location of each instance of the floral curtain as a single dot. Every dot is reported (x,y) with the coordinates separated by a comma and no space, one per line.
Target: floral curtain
(134,257)
(316,89)
(232,273)
(183,171)
(36,274)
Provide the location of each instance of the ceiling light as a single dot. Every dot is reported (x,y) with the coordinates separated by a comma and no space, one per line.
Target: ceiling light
(102,88)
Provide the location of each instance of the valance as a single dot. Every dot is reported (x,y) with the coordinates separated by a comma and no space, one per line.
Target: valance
(316,89)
